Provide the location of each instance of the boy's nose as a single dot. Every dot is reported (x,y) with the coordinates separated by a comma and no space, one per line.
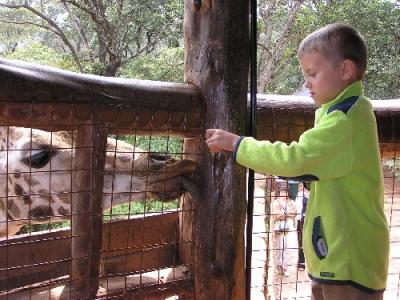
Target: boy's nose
(306,84)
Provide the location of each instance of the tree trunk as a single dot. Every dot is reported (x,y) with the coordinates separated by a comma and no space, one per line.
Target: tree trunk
(216,61)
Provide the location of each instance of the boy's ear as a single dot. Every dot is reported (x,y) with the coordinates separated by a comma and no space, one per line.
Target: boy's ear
(349,70)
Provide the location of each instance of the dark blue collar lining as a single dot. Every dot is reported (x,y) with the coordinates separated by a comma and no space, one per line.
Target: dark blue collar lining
(237,147)
(344,105)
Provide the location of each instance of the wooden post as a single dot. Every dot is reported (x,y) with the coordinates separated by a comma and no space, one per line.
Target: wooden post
(86,224)
(98,162)
(187,206)
(216,61)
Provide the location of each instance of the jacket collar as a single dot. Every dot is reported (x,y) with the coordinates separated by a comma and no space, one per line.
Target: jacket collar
(354,89)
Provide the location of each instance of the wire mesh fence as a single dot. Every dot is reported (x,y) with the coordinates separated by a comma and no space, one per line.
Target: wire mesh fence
(277,272)
(84,209)
(278,261)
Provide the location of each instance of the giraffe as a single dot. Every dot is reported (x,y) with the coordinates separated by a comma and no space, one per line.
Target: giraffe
(36,176)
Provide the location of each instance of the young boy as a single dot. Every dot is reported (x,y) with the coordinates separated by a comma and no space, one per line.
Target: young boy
(345,237)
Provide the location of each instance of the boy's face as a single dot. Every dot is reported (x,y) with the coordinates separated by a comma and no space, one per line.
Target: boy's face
(323,80)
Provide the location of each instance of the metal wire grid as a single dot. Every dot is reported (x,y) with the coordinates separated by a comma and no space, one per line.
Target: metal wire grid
(268,282)
(22,264)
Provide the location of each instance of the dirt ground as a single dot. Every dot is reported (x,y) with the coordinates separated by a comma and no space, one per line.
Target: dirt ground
(297,284)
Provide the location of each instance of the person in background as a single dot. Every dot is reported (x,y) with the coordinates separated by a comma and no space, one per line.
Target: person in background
(283,214)
(301,204)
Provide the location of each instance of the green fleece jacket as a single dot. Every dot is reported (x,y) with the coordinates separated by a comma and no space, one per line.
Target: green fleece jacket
(345,237)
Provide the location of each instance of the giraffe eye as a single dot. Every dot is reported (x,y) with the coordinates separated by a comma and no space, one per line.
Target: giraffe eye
(38,160)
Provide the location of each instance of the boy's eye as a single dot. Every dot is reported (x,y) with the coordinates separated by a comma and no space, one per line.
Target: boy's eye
(308,75)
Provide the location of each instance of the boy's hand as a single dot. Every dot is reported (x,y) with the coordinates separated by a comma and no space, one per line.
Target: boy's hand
(218,140)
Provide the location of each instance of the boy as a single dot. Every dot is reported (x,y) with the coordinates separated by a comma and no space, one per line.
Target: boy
(345,237)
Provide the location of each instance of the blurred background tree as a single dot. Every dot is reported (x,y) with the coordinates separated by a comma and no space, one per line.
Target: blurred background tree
(144,38)
(99,36)
(283,24)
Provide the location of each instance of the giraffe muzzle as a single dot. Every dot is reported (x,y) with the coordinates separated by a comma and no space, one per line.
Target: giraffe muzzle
(191,187)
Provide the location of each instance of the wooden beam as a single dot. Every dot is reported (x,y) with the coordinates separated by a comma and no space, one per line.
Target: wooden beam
(122,119)
(34,83)
(30,259)
(216,61)
(183,288)
(52,99)
(156,285)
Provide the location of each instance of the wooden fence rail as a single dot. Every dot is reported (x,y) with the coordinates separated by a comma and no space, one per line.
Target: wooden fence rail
(52,99)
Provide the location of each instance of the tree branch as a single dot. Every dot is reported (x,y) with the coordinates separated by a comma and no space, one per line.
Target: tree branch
(55,28)
(77,24)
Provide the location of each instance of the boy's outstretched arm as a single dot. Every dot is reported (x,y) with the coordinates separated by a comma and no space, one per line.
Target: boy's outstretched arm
(218,140)
(324,151)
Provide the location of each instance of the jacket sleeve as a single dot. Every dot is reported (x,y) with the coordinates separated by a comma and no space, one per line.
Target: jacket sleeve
(324,152)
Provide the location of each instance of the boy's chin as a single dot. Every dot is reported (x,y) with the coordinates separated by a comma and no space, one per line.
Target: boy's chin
(319,102)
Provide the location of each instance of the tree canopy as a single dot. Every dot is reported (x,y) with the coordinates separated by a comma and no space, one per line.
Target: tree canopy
(283,24)
(100,35)
(143,38)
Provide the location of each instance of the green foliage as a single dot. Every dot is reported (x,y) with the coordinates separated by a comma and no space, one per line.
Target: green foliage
(160,144)
(41,54)
(10,34)
(125,210)
(379,23)
(167,65)
(43,227)
(100,36)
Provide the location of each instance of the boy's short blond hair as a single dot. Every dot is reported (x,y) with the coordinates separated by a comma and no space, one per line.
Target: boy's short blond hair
(337,42)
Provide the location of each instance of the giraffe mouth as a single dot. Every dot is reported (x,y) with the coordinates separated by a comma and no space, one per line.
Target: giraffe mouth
(191,187)
(186,185)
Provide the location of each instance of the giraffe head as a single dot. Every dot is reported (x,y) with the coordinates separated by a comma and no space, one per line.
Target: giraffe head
(36,176)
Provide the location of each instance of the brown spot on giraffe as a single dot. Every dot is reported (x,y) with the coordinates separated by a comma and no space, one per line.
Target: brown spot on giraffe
(41,212)
(27,200)
(18,190)
(9,216)
(62,211)
(13,208)
(65,198)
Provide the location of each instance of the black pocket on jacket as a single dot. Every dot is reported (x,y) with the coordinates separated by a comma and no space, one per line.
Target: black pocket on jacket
(318,240)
